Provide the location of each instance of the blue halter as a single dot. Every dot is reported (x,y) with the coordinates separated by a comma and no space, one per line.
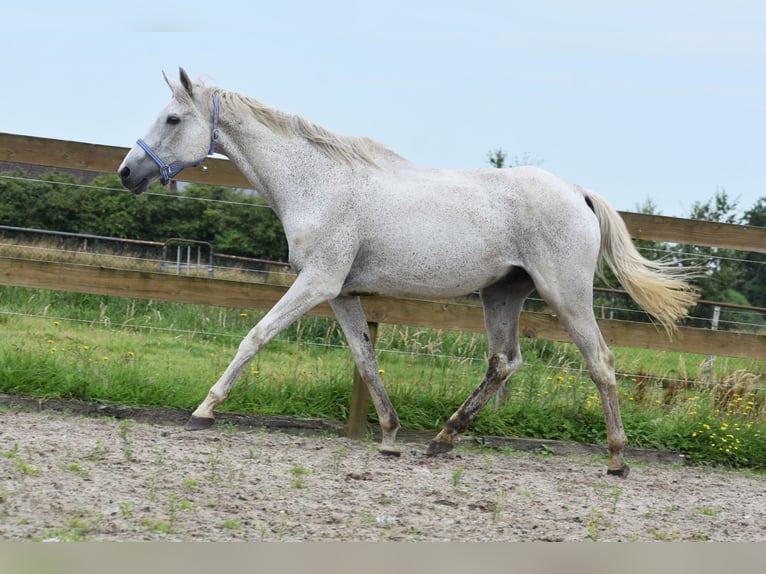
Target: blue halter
(168,172)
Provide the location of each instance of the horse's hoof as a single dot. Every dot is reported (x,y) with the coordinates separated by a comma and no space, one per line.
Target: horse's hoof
(199,423)
(438,447)
(393,452)
(621,472)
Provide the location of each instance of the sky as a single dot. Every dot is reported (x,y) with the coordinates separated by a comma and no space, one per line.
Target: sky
(655,100)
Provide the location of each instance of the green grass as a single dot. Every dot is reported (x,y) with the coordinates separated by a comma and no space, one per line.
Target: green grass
(150,353)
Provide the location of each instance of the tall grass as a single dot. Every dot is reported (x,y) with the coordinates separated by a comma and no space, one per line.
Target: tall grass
(136,352)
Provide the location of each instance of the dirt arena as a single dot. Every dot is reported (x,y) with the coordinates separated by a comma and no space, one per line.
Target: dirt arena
(69,477)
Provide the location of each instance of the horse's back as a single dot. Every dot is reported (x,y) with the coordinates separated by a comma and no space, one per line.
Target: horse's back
(449,232)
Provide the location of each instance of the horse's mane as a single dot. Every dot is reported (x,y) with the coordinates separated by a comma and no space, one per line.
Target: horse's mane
(347,149)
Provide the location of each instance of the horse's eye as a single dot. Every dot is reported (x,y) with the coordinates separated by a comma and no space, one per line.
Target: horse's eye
(173,119)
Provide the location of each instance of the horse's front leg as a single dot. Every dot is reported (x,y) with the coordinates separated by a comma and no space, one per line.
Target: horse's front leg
(302,296)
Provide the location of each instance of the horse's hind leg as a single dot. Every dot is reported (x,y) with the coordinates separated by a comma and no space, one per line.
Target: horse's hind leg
(350,315)
(573,305)
(502,306)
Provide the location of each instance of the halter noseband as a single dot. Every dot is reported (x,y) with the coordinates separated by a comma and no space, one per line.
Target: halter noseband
(168,172)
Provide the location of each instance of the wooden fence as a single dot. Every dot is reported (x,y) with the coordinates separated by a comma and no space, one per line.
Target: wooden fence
(441,315)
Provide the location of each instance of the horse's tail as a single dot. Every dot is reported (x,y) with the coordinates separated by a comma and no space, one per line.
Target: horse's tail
(659,287)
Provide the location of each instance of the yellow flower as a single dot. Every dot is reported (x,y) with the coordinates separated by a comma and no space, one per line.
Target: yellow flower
(56,323)
(86,347)
(381,371)
(106,358)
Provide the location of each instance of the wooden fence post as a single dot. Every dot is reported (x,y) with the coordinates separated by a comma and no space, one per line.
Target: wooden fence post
(360,398)
(711,358)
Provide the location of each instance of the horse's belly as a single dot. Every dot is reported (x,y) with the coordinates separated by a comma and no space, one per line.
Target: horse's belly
(421,279)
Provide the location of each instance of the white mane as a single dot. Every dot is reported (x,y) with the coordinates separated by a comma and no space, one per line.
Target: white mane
(348,149)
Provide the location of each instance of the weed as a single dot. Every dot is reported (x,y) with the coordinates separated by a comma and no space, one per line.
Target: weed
(126,509)
(232,524)
(10,453)
(153,486)
(457,476)
(337,457)
(123,430)
(282,526)
(500,499)
(76,529)
(612,494)
(26,468)
(544,450)
(157,526)
(99,452)
(77,469)
(214,459)
(596,524)
(663,535)
(299,472)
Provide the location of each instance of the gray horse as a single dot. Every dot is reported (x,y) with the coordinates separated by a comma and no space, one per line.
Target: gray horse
(361,220)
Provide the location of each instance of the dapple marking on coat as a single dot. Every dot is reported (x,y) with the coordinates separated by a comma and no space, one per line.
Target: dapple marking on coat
(360,219)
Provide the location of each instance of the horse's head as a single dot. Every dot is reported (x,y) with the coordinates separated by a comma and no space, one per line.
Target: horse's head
(182,136)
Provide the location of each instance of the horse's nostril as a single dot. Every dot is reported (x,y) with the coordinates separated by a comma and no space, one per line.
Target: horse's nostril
(124,173)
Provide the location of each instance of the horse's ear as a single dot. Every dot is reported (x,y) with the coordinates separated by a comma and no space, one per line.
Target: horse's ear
(185,81)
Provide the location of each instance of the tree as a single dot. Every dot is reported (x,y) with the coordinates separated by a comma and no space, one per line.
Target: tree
(753,283)
(233,221)
(499,159)
(722,269)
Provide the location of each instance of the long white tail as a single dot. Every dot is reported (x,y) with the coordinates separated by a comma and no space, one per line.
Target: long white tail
(659,287)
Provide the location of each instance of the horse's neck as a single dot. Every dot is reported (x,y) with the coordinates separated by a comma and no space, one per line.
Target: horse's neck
(278,165)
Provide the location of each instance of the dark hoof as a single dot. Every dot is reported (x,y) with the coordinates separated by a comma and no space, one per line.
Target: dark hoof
(621,472)
(438,447)
(390,452)
(199,423)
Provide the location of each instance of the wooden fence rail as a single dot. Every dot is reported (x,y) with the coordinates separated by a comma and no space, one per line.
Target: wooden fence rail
(416,313)
(441,315)
(106,159)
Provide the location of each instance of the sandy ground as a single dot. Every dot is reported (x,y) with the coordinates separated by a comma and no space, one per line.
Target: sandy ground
(66,477)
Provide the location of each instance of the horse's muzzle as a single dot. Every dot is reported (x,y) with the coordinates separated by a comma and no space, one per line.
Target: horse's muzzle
(128,180)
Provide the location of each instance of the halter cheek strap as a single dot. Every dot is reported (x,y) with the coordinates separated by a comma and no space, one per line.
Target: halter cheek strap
(169,171)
